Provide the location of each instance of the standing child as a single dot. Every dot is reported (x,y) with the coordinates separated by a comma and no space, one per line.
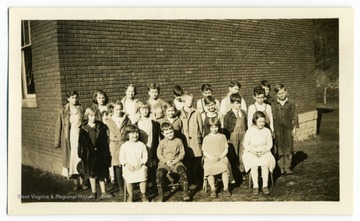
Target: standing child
(133,156)
(150,136)
(225,106)
(170,153)
(116,123)
(260,105)
(211,111)
(100,104)
(257,144)
(178,92)
(215,149)
(172,117)
(234,127)
(267,87)
(130,103)
(192,130)
(67,136)
(206,90)
(286,124)
(94,151)
(155,102)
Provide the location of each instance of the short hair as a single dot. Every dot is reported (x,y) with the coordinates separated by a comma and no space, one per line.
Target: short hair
(168,105)
(118,102)
(234,83)
(206,87)
(131,85)
(265,83)
(143,104)
(235,97)
(258,90)
(185,95)
(154,86)
(103,113)
(178,91)
(209,99)
(166,126)
(71,93)
(130,129)
(102,93)
(88,111)
(214,121)
(279,87)
(257,115)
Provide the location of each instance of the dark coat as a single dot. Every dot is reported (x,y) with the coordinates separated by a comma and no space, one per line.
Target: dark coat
(96,159)
(230,121)
(62,133)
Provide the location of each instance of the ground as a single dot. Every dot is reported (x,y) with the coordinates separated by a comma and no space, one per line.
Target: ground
(315,165)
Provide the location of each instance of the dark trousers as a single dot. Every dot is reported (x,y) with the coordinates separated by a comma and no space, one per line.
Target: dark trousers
(162,172)
(195,170)
(118,176)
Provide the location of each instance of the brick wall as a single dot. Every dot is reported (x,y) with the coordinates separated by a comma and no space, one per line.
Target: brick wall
(90,55)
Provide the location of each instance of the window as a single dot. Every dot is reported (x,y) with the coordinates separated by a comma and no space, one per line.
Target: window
(27,71)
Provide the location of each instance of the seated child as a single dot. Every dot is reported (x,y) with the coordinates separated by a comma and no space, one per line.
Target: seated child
(94,151)
(170,153)
(215,149)
(133,156)
(257,145)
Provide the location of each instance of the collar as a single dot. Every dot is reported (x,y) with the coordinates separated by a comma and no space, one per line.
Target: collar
(282,102)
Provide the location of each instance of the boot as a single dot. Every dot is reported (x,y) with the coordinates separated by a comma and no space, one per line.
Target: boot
(186,196)
(161,194)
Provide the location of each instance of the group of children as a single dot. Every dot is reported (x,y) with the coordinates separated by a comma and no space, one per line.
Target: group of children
(144,142)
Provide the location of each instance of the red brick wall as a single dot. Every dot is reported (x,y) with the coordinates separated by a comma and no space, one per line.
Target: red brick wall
(90,55)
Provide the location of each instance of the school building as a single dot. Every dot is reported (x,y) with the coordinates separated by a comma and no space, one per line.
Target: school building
(86,55)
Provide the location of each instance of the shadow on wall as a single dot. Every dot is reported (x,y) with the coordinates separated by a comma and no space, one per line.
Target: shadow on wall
(321,111)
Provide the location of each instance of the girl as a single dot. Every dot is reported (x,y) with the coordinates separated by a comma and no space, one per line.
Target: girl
(206,90)
(130,103)
(67,136)
(257,145)
(133,156)
(116,123)
(215,148)
(210,104)
(94,151)
(100,103)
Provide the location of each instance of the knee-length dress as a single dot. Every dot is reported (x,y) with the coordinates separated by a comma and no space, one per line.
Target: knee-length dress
(75,123)
(135,154)
(215,145)
(258,139)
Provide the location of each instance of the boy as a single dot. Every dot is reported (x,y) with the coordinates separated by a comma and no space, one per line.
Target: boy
(286,124)
(234,128)
(178,92)
(155,102)
(225,105)
(170,153)
(192,130)
(150,136)
(206,90)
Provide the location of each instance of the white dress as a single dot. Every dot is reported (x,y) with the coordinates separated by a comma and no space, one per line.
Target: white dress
(75,122)
(256,139)
(134,153)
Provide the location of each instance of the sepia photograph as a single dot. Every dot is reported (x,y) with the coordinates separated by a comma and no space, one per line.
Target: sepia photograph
(211,111)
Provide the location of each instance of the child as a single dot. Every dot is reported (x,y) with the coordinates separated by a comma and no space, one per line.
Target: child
(116,122)
(67,137)
(133,156)
(178,92)
(150,136)
(155,102)
(211,111)
(192,130)
(170,153)
(172,117)
(100,102)
(257,144)
(130,103)
(267,87)
(286,124)
(235,127)
(260,105)
(94,151)
(225,105)
(215,149)
(206,90)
